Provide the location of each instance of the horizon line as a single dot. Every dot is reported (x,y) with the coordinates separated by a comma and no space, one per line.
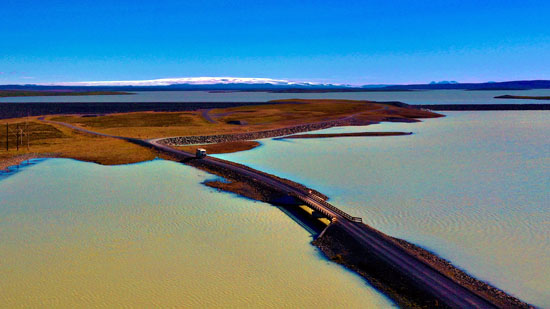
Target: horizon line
(227,80)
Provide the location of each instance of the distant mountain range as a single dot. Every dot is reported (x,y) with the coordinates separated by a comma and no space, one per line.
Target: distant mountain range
(266,84)
(510,85)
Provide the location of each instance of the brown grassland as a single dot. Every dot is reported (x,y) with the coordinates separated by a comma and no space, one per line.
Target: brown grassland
(59,141)
(64,142)
(252,118)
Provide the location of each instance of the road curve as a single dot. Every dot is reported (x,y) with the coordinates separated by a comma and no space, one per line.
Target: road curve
(431,280)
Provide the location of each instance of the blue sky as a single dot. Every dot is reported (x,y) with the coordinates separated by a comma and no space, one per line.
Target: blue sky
(355,42)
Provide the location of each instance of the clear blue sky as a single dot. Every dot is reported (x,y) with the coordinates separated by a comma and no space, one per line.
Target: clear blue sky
(357,42)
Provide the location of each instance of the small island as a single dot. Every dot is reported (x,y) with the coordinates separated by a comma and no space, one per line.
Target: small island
(328,135)
(522,97)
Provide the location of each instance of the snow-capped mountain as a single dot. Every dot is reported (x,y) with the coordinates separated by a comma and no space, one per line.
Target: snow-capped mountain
(189,81)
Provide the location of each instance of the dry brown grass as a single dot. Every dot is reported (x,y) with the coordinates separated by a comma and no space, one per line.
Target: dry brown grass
(144,124)
(252,118)
(51,138)
(68,143)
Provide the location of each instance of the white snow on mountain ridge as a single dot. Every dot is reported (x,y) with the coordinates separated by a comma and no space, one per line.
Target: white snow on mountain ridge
(186,80)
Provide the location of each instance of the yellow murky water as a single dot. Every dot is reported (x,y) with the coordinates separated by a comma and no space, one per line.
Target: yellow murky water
(76,234)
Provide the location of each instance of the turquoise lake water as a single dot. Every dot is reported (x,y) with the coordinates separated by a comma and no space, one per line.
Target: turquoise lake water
(76,234)
(473,187)
(410,97)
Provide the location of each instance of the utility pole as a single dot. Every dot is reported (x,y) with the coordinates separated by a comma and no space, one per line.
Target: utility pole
(17,136)
(27,133)
(7,137)
(27,129)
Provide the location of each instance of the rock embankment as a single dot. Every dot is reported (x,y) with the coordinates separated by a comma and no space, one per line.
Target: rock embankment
(484,289)
(341,248)
(223,138)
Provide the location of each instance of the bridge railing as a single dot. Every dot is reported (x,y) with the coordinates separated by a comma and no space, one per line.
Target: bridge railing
(331,207)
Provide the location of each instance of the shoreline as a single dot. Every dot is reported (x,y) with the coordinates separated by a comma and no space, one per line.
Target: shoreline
(17,160)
